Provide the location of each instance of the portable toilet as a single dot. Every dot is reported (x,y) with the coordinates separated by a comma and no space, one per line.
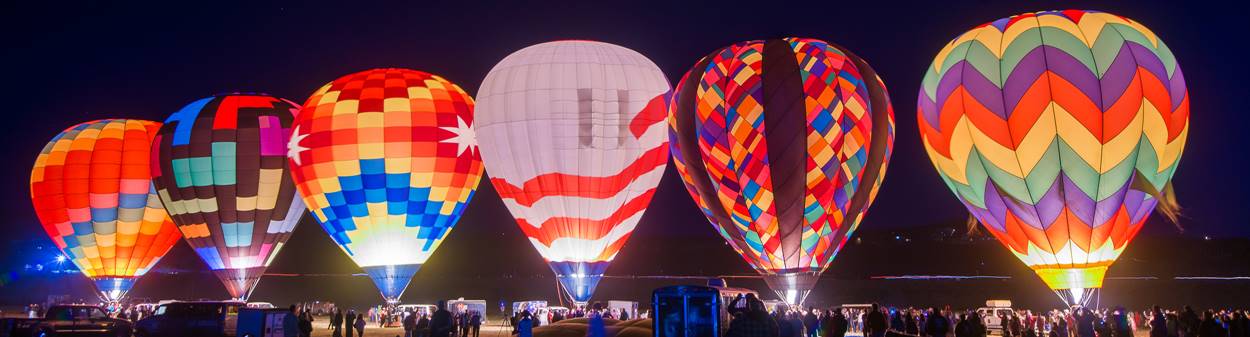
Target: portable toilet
(686,311)
(255,322)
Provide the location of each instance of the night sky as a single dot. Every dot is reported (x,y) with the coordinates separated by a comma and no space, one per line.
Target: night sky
(68,63)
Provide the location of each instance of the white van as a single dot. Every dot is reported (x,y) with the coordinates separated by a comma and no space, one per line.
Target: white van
(992,312)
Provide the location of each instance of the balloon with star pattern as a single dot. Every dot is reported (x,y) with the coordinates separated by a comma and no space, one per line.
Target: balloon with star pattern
(386,161)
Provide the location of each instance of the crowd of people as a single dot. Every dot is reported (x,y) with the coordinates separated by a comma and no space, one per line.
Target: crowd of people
(523,321)
(442,322)
(750,318)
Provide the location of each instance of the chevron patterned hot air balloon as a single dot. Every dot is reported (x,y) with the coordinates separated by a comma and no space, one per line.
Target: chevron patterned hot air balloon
(219,165)
(93,193)
(387,161)
(1059,131)
(783,144)
(573,135)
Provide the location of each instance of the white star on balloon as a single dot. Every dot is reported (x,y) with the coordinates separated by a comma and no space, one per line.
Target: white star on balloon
(293,149)
(465,139)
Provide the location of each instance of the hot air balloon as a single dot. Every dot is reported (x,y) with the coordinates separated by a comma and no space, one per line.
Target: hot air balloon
(783,144)
(220,168)
(92,191)
(1059,131)
(574,138)
(387,161)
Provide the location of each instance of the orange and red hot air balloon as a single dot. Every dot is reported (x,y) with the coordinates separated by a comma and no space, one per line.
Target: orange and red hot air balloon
(92,191)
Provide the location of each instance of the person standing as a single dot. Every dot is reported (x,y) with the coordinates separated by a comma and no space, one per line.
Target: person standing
(811,323)
(755,322)
(1085,322)
(594,322)
(360,325)
(423,326)
(1158,323)
(875,323)
(305,324)
(936,325)
(336,323)
(1189,322)
(475,324)
(525,326)
(1210,327)
(441,324)
(348,322)
(410,324)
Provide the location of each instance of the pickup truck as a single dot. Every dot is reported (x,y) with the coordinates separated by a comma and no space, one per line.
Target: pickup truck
(69,320)
(186,319)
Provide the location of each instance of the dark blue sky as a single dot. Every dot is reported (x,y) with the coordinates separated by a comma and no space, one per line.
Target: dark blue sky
(66,63)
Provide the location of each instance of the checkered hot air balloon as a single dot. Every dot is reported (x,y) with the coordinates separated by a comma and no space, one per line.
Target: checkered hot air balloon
(92,191)
(220,168)
(573,134)
(783,144)
(1059,131)
(387,161)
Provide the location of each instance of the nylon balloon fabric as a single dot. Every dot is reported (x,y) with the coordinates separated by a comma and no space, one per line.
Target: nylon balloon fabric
(1060,132)
(386,160)
(783,144)
(93,194)
(220,168)
(574,137)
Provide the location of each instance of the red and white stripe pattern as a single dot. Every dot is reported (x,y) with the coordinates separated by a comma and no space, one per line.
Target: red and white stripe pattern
(574,138)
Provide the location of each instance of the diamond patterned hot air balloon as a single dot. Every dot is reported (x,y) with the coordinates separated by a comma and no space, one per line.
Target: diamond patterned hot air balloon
(1059,131)
(221,171)
(92,191)
(783,144)
(386,161)
(573,134)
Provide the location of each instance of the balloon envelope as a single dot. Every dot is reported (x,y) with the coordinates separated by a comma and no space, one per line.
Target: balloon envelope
(387,161)
(1059,131)
(782,143)
(220,169)
(92,191)
(574,138)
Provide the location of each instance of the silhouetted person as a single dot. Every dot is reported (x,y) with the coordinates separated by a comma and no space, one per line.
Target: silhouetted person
(360,325)
(336,323)
(441,324)
(594,322)
(936,325)
(475,323)
(305,324)
(1085,323)
(875,323)
(423,326)
(349,321)
(1210,327)
(1189,322)
(1158,323)
(410,324)
(834,324)
(754,322)
(525,326)
(1120,324)
(811,323)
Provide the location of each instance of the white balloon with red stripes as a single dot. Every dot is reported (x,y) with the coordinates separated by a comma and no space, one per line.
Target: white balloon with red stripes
(573,136)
